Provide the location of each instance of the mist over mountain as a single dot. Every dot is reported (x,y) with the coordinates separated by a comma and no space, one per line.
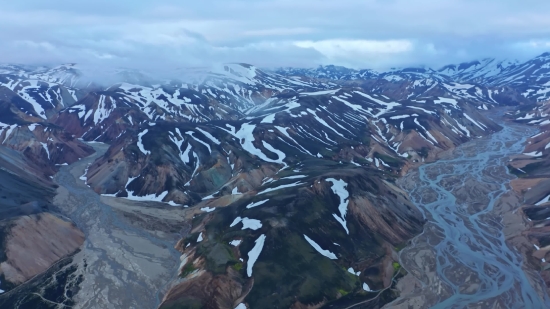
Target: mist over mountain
(239,179)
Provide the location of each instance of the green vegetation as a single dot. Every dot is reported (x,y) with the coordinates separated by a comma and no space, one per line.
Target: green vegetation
(187,269)
(237,266)
(343,292)
(396,267)
(423,152)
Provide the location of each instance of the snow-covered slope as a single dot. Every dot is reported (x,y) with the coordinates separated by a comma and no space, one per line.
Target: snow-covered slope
(274,170)
(478,71)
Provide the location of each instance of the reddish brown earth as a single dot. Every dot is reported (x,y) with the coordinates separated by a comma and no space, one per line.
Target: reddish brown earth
(36,242)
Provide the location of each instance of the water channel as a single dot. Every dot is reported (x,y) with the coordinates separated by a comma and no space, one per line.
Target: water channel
(462,258)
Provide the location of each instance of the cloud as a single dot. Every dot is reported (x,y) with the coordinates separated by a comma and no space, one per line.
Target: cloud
(356,52)
(166,34)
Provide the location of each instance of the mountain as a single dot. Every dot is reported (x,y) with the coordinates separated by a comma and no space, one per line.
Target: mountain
(271,154)
(480,71)
(285,180)
(329,72)
(530,78)
(33,235)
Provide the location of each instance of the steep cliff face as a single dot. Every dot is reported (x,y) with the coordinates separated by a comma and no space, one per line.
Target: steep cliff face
(33,243)
(32,236)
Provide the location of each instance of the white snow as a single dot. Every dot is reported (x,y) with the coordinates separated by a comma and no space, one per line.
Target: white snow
(388,105)
(422,109)
(209,136)
(246,136)
(84,177)
(294,177)
(544,200)
(9,131)
(252,224)
(199,239)
(326,253)
(446,100)
(339,188)
(281,187)
(425,130)
(255,204)
(324,123)
(284,131)
(45,146)
(190,133)
(254,254)
(140,143)
(353,272)
(474,122)
(463,128)
(208,209)
(147,198)
(235,242)
(32,126)
(528,116)
(235,191)
(400,117)
(241,306)
(236,221)
(25,94)
(333,91)
(533,154)
(268,119)
(279,153)
(536,247)
(101,113)
(366,287)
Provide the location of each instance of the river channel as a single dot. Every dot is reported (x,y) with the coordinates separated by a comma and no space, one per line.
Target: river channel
(462,259)
(128,258)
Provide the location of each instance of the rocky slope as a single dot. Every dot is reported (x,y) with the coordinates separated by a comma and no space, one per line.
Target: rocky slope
(286,180)
(315,163)
(533,171)
(34,236)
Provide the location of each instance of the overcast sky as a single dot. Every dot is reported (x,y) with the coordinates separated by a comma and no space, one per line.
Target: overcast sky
(375,34)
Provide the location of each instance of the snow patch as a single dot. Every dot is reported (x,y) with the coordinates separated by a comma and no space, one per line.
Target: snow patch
(339,188)
(255,204)
(140,142)
(235,243)
(254,254)
(326,253)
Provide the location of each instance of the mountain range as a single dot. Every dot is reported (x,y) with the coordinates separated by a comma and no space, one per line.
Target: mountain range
(285,178)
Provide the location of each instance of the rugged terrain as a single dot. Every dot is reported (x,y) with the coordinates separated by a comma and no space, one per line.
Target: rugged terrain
(235,186)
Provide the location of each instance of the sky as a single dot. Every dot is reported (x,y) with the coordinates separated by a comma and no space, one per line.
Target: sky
(167,34)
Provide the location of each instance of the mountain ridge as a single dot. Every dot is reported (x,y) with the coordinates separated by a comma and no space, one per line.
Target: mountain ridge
(300,165)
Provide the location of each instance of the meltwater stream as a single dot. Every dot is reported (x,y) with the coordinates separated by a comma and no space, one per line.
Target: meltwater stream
(471,264)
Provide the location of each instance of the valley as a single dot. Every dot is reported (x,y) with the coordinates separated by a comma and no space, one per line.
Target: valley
(237,187)
(463,258)
(128,258)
